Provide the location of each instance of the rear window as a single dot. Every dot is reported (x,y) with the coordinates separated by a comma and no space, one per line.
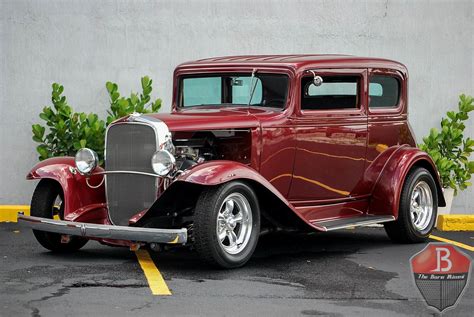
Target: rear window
(384,92)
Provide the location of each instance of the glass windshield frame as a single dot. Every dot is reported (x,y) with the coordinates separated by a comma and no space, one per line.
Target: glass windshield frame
(227,74)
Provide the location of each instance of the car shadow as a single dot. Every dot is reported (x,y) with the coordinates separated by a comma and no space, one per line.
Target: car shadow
(276,248)
(271,248)
(318,264)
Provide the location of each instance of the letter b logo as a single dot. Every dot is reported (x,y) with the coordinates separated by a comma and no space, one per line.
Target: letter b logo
(443,263)
(432,268)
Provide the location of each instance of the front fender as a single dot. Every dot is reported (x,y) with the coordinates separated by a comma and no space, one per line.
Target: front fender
(79,198)
(218,172)
(388,187)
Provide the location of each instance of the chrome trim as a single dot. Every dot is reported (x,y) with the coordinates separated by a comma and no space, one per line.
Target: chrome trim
(94,155)
(91,230)
(421,206)
(161,130)
(126,172)
(158,126)
(234,224)
(171,157)
(356,223)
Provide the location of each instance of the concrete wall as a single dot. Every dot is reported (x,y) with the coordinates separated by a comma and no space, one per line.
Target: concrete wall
(82,44)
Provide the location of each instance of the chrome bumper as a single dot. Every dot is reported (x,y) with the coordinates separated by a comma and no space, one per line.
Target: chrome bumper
(91,230)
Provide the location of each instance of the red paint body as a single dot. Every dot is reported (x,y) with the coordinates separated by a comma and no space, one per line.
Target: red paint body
(79,199)
(322,164)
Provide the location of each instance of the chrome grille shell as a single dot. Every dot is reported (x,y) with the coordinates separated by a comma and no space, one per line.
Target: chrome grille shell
(129,147)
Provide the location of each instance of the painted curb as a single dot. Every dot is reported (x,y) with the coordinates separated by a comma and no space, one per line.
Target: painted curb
(8,213)
(455,223)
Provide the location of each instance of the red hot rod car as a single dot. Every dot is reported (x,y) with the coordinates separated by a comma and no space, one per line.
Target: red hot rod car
(252,144)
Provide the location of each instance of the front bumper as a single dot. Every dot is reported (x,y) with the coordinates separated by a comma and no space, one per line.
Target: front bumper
(92,230)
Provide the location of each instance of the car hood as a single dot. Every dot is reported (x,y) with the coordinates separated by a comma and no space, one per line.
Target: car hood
(214,118)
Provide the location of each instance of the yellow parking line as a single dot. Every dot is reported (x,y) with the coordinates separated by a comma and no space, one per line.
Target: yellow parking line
(155,279)
(459,244)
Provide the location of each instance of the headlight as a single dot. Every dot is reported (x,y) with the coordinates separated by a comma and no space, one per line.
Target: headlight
(163,162)
(86,160)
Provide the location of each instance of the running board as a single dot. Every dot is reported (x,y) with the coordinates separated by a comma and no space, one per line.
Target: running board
(329,225)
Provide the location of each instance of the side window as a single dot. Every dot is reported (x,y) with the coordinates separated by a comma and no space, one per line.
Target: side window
(204,90)
(384,92)
(336,92)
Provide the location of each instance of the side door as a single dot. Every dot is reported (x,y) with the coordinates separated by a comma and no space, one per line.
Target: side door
(331,136)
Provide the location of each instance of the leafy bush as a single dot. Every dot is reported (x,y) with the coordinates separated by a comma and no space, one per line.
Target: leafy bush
(67,131)
(449,148)
(121,106)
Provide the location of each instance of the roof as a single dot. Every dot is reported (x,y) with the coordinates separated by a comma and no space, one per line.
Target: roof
(296,61)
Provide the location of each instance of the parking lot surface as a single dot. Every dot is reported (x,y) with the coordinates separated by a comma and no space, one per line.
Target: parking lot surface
(356,272)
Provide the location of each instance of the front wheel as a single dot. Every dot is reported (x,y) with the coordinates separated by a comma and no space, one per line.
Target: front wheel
(47,202)
(227,224)
(418,208)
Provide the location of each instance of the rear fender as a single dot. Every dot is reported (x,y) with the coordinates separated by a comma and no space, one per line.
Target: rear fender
(388,186)
(79,198)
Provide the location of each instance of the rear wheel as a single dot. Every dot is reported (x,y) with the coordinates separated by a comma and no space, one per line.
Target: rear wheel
(227,224)
(418,208)
(47,202)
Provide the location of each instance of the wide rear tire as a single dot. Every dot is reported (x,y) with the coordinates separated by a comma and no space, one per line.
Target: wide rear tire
(227,224)
(43,204)
(418,208)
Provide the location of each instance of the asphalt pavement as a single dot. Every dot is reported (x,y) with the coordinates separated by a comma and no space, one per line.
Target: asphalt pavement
(357,272)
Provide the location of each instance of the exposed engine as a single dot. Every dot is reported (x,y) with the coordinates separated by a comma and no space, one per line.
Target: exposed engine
(196,147)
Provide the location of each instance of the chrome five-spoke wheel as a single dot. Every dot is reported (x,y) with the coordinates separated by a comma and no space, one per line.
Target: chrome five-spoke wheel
(421,205)
(234,223)
(417,208)
(226,224)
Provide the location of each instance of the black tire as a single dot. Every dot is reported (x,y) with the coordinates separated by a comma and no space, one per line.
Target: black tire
(206,239)
(42,205)
(403,229)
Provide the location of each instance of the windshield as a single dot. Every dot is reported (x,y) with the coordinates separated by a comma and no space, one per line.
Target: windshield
(267,90)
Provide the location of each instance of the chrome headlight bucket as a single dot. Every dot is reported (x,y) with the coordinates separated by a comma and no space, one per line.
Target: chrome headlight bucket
(163,162)
(168,146)
(86,160)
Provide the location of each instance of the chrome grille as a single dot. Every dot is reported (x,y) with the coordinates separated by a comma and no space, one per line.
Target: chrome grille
(129,147)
